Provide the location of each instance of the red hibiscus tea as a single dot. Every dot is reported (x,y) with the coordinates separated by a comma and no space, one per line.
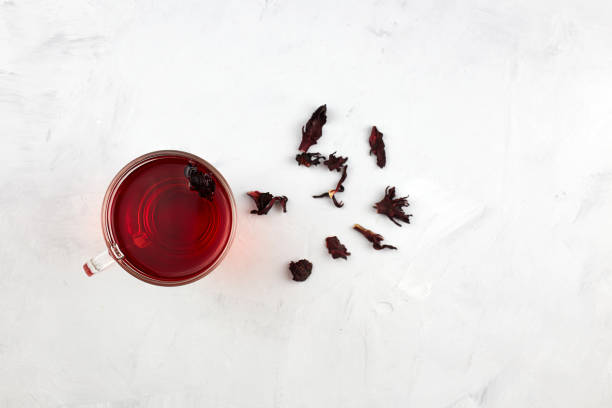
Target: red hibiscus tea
(158,228)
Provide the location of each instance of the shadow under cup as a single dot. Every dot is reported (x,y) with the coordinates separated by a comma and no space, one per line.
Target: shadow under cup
(158,229)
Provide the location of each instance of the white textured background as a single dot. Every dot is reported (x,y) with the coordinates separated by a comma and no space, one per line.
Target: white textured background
(498,122)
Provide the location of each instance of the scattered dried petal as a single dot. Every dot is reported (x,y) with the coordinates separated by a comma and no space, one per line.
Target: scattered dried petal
(332,193)
(373,237)
(201,182)
(335,248)
(377,146)
(392,207)
(314,128)
(335,163)
(300,270)
(265,201)
(309,159)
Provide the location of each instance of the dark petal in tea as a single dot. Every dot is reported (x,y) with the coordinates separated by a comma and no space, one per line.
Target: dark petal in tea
(335,163)
(393,207)
(314,128)
(377,146)
(265,201)
(373,237)
(201,182)
(300,270)
(335,248)
(309,159)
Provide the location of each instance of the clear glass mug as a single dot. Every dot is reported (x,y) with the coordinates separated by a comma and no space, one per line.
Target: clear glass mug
(159,229)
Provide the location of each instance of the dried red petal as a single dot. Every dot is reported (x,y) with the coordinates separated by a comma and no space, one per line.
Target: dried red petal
(393,207)
(309,159)
(377,146)
(201,182)
(300,270)
(332,193)
(373,237)
(314,128)
(265,201)
(335,163)
(335,248)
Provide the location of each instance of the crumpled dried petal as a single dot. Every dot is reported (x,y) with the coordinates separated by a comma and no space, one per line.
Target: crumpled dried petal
(201,182)
(373,237)
(300,270)
(335,163)
(314,128)
(265,201)
(377,146)
(309,159)
(335,248)
(392,207)
(332,193)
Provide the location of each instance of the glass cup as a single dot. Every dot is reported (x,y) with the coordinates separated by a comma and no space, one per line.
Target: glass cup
(159,229)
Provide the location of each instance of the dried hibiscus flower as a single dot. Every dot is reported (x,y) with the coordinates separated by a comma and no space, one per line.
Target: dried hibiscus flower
(309,159)
(201,182)
(377,146)
(392,207)
(314,128)
(265,201)
(300,270)
(373,237)
(332,193)
(335,163)
(335,248)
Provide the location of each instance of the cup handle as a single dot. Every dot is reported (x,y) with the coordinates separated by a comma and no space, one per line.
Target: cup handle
(98,263)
